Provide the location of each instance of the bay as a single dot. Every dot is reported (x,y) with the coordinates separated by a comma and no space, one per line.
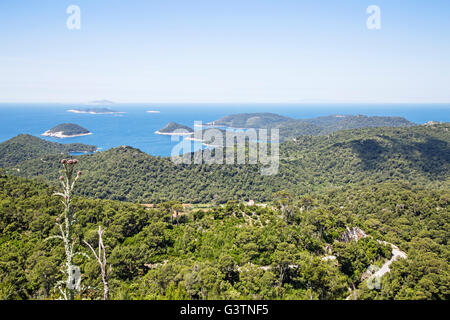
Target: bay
(136,127)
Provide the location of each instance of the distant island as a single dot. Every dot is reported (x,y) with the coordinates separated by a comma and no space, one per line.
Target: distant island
(265,119)
(100,102)
(66,130)
(175,129)
(291,128)
(94,111)
(250,120)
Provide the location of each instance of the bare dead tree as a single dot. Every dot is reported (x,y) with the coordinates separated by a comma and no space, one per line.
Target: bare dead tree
(68,179)
(101,259)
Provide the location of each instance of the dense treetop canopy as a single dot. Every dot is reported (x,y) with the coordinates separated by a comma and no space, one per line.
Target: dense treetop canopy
(190,231)
(420,154)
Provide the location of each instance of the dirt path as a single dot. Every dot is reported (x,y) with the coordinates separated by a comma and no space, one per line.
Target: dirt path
(396,255)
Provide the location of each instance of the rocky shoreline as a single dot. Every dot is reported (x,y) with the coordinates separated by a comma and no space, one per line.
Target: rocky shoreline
(174,133)
(93,112)
(61,135)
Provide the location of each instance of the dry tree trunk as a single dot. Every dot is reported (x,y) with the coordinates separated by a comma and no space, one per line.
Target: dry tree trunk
(101,259)
(68,180)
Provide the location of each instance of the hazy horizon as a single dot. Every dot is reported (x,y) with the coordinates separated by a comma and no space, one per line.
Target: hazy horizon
(253,51)
(200,103)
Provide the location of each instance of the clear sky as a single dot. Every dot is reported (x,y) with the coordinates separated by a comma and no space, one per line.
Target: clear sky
(225,51)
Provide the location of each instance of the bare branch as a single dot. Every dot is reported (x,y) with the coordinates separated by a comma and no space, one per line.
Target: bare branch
(101,259)
(53,237)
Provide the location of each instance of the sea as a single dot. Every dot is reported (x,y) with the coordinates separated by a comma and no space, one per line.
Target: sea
(136,127)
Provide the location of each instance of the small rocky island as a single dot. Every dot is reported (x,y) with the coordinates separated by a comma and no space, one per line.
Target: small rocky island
(94,111)
(66,130)
(175,129)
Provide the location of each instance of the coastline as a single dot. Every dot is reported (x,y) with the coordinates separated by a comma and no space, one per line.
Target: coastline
(222,126)
(202,142)
(207,125)
(92,112)
(174,133)
(60,134)
(194,139)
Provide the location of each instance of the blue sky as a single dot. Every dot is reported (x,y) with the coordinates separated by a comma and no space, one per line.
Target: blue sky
(225,51)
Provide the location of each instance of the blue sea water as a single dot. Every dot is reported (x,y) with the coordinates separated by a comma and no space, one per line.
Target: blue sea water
(135,127)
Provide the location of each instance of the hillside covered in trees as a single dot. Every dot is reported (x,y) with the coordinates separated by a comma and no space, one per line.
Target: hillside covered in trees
(234,251)
(190,231)
(172,127)
(25,147)
(420,154)
(291,128)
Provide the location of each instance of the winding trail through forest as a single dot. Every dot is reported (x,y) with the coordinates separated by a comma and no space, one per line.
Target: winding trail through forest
(396,254)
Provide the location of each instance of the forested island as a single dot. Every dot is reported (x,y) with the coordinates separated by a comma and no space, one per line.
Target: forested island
(66,130)
(290,128)
(173,128)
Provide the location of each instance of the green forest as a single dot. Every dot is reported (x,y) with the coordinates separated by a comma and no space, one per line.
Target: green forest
(419,154)
(68,129)
(233,251)
(291,128)
(27,147)
(226,232)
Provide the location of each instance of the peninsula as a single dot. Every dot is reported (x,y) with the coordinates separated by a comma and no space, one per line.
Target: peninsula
(291,128)
(66,130)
